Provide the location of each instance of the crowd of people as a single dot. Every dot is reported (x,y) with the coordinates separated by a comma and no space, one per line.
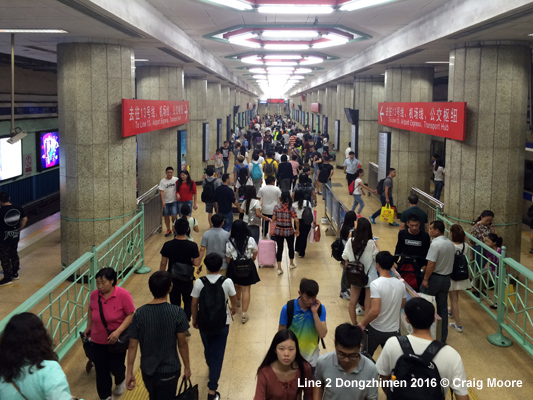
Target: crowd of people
(278,172)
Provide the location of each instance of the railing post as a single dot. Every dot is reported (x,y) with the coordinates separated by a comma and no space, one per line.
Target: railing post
(498,339)
(143,269)
(93,269)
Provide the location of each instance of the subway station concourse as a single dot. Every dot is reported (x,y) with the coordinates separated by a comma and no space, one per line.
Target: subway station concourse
(99,97)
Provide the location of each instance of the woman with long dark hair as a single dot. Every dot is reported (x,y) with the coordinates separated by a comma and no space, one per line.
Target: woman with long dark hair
(299,205)
(482,228)
(361,247)
(241,243)
(284,214)
(251,209)
(186,191)
(282,369)
(457,236)
(348,226)
(438,177)
(116,306)
(29,366)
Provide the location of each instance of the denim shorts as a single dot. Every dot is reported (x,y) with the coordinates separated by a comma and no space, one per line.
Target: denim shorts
(171,209)
(209,207)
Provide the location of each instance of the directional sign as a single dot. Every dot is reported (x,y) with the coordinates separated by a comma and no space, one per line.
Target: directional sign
(439,119)
(141,116)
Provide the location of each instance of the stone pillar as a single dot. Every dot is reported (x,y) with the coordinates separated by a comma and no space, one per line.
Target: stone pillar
(214,112)
(331,113)
(486,171)
(196,94)
(97,170)
(409,150)
(321,99)
(345,99)
(225,110)
(232,103)
(369,91)
(159,149)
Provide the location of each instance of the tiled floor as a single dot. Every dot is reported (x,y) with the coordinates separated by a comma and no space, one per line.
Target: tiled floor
(248,343)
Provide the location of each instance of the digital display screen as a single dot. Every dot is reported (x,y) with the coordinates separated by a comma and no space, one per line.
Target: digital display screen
(48,149)
(276,101)
(10,159)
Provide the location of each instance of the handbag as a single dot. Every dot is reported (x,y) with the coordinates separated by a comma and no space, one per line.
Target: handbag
(355,273)
(87,346)
(187,391)
(272,228)
(387,214)
(316,233)
(182,272)
(123,342)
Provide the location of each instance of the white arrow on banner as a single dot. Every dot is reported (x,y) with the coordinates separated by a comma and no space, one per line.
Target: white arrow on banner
(381,113)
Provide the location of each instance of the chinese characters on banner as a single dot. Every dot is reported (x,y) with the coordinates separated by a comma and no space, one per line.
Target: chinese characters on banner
(141,116)
(276,101)
(440,119)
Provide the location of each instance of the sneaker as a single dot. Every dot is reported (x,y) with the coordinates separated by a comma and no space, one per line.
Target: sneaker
(6,281)
(292,266)
(15,276)
(359,216)
(345,295)
(167,234)
(300,256)
(494,307)
(359,311)
(244,318)
(395,224)
(215,396)
(531,251)
(280,271)
(88,366)
(120,388)
(187,333)
(457,328)
(372,219)
(108,398)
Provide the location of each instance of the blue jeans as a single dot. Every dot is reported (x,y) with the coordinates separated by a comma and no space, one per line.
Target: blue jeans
(358,199)
(383,203)
(228,221)
(226,165)
(315,176)
(254,230)
(181,203)
(438,189)
(171,209)
(214,349)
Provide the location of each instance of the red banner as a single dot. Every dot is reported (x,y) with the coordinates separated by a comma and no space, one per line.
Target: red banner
(440,119)
(141,116)
(315,107)
(275,101)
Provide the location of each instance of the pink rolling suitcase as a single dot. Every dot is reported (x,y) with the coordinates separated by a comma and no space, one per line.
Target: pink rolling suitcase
(266,253)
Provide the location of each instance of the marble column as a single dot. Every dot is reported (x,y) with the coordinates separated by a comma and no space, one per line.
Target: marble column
(345,99)
(409,150)
(196,94)
(232,102)
(226,109)
(159,149)
(369,91)
(214,112)
(486,170)
(320,99)
(97,170)
(331,112)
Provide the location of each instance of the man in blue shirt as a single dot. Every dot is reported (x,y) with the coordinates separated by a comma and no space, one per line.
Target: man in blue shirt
(224,200)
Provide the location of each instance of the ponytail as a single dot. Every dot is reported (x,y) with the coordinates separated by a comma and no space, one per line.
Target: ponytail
(485,213)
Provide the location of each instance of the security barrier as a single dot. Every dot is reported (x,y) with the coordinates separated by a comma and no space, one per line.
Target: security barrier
(373,178)
(153,209)
(334,211)
(63,302)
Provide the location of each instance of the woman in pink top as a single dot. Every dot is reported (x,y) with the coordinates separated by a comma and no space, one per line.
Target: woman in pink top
(282,368)
(295,167)
(118,309)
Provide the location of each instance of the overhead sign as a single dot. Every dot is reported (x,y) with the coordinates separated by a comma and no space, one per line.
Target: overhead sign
(315,107)
(276,101)
(446,120)
(141,116)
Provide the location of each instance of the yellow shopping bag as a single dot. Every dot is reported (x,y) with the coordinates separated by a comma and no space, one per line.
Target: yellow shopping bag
(387,214)
(510,295)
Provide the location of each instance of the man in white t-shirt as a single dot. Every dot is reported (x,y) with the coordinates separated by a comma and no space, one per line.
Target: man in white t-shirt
(270,197)
(420,313)
(214,342)
(348,150)
(387,297)
(167,188)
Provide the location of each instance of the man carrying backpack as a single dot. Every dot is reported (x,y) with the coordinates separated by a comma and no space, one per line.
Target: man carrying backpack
(270,166)
(257,171)
(306,317)
(402,359)
(385,194)
(209,185)
(211,316)
(157,326)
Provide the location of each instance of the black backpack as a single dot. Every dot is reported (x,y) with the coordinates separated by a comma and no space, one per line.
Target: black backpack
(269,169)
(307,216)
(242,267)
(418,368)
(460,266)
(208,192)
(337,248)
(381,185)
(212,306)
(243,175)
(290,315)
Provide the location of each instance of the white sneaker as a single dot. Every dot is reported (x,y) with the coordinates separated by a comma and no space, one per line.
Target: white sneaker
(119,389)
(109,398)
(292,266)
(280,271)
(359,311)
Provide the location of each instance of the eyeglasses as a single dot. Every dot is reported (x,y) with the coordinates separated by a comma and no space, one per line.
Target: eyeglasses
(352,356)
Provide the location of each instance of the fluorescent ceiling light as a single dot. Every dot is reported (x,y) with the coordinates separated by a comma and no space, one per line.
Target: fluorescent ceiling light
(303,70)
(281,63)
(244,42)
(283,46)
(290,34)
(311,60)
(141,59)
(257,70)
(283,57)
(252,60)
(437,62)
(531,34)
(358,4)
(239,5)
(297,77)
(259,76)
(294,9)
(32,31)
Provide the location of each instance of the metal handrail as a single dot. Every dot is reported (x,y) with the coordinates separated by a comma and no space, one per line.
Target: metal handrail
(427,197)
(148,194)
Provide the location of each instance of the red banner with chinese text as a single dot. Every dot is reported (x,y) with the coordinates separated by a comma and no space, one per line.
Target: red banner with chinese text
(141,116)
(315,107)
(440,119)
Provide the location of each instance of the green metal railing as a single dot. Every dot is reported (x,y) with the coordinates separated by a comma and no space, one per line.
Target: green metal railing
(62,303)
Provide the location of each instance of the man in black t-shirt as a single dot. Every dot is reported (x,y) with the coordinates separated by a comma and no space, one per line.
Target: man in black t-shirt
(413,242)
(156,326)
(12,220)
(181,256)
(224,200)
(325,174)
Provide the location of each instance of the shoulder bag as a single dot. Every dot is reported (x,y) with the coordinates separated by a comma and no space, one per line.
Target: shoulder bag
(121,345)
(355,272)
